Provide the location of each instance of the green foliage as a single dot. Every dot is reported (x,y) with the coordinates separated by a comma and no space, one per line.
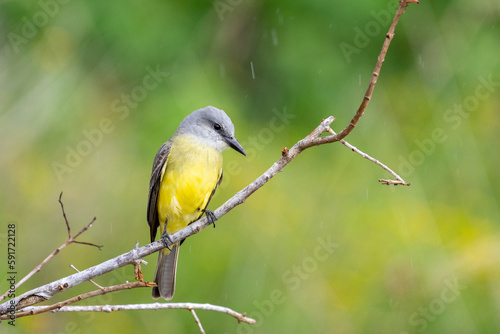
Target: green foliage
(92,89)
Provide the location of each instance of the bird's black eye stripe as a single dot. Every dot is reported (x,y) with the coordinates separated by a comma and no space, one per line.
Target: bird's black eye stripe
(217,126)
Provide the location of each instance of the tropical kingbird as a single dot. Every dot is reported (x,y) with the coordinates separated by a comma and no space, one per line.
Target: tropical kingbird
(186,171)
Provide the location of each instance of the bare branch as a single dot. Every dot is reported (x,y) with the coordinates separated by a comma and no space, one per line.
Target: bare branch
(393,182)
(101,291)
(91,281)
(154,306)
(70,239)
(366,156)
(55,252)
(202,331)
(373,81)
(64,215)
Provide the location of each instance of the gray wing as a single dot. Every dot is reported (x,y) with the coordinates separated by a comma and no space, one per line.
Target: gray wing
(154,187)
(213,191)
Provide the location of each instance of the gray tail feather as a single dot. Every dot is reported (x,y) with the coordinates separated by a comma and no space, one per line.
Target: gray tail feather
(165,274)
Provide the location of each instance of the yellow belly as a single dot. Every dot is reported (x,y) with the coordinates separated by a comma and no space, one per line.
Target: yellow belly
(191,174)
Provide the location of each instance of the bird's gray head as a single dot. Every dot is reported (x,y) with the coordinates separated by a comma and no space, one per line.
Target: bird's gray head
(213,126)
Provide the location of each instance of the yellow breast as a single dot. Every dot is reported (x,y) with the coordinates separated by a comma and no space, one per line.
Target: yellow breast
(190,175)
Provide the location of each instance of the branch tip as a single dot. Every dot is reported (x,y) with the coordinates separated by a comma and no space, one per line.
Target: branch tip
(393,182)
(64,215)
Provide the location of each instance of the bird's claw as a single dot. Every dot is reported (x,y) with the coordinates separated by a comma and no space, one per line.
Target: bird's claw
(166,240)
(211,217)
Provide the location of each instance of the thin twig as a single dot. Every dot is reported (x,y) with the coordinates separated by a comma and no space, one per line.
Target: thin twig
(398,180)
(202,331)
(73,239)
(393,182)
(55,252)
(91,281)
(373,81)
(101,291)
(154,306)
(64,215)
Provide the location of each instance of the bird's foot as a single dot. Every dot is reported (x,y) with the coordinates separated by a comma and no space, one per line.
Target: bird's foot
(166,240)
(211,217)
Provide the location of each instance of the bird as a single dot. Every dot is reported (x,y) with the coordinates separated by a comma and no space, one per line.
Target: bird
(186,172)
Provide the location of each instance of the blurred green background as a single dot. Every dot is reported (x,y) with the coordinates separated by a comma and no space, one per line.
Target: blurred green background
(90,90)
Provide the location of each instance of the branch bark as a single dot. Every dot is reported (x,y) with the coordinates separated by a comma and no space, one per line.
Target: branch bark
(102,291)
(153,306)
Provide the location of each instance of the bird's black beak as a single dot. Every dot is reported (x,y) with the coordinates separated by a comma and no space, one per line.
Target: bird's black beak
(233,143)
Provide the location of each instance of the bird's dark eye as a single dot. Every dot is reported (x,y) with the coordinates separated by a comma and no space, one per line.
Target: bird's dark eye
(217,126)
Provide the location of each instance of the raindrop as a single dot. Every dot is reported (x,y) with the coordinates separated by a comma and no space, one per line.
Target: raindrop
(420,60)
(280,17)
(274,36)
(251,66)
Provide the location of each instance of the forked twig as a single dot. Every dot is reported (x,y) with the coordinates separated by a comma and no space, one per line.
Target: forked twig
(101,291)
(54,253)
(398,180)
(73,239)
